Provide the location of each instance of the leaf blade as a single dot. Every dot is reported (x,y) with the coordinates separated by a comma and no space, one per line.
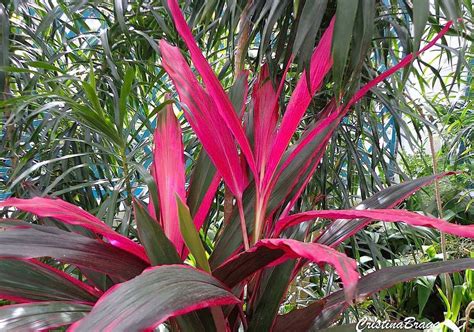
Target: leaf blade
(160,293)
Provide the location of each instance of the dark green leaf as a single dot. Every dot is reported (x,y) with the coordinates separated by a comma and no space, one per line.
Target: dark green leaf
(40,316)
(31,280)
(151,298)
(158,247)
(343,29)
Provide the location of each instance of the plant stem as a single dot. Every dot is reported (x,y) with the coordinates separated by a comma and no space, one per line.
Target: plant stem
(243,225)
(244,28)
(126,174)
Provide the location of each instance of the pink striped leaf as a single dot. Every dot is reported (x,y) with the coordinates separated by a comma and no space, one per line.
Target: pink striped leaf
(321,63)
(333,118)
(26,240)
(369,284)
(270,252)
(217,93)
(265,117)
(215,137)
(141,304)
(23,280)
(388,198)
(388,215)
(168,172)
(73,215)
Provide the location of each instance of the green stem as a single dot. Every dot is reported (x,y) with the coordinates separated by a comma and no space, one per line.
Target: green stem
(126,174)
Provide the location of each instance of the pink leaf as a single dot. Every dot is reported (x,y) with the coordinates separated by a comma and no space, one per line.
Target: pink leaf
(403,63)
(265,114)
(73,215)
(321,63)
(206,203)
(219,97)
(168,172)
(270,252)
(215,137)
(389,215)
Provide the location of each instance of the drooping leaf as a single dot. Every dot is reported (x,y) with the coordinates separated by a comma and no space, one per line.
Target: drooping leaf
(191,236)
(32,241)
(388,198)
(158,247)
(386,278)
(388,215)
(151,298)
(217,93)
(40,316)
(270,252)
(168,171)
(71,214)
(30,280)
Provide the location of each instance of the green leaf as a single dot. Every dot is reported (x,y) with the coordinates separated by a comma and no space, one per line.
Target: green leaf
(421,11)
(124,93)
(424,289)
(345,16)
(158,247)
(191,236)
(308,26)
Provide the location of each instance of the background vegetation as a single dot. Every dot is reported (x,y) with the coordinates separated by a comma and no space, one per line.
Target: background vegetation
(81,84)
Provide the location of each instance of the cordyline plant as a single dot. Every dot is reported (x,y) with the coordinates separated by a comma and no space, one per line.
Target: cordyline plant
(126,286)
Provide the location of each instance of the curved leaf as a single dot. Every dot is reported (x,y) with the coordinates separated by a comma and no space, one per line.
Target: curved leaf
(30,280)
(270,252)
(71,214)
(388,198)
(32,241)
(40,316)
(389,215)
(151,298)
(386,278)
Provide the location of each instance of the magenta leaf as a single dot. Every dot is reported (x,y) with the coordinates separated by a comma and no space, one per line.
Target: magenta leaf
(168,172)
(216,92)
(388,198)
(215,137)
(148,300)
(270,252)
(71,214)
(265,117)
(389,215)
(321,62)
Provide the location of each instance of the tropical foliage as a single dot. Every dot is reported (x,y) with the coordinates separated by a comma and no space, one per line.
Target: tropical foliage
(211,225)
